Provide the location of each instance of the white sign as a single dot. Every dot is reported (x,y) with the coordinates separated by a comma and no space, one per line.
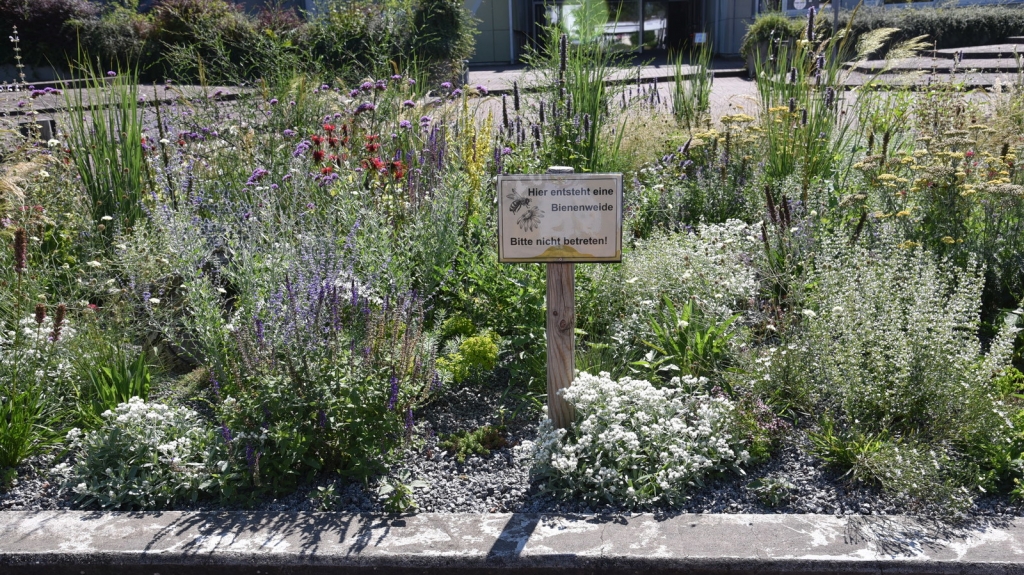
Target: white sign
(560,218)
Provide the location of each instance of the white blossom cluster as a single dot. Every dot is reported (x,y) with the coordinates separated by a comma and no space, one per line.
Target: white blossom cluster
(36,352)
(713,266)
(145,455)
(636,444)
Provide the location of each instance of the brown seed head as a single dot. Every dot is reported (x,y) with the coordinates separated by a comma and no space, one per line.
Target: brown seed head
(20,249)
(40,312)
(58,322)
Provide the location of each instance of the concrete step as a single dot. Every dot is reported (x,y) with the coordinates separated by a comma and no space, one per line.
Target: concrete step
(82,542)
(980,52)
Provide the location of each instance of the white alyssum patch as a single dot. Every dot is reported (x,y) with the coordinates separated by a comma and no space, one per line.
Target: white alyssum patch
(634,443)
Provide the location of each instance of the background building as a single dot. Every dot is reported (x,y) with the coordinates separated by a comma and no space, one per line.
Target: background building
(507,26)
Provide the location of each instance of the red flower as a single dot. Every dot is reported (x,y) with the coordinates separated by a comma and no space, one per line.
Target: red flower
(332,142)
(326,170)
(328,128)
(333,158)
(318,155)
(181,141)
(398,169)
(376,163)
(372,147)
(317,139)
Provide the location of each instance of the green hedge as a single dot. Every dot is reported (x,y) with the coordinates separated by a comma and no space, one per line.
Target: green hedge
(945,27)
(182,39)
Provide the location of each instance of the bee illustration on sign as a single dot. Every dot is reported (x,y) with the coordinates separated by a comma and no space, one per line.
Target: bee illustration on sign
(518,201)
(531,215)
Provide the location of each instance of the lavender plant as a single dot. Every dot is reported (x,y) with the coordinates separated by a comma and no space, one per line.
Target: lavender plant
(321,371)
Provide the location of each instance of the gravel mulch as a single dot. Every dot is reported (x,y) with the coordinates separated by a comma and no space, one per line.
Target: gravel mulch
(500,481)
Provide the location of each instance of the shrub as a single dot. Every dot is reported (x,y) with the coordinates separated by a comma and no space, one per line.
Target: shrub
(711,266)
(442,36)
(45,30)
(475,354)
(769,26)
(145,456)
(316,369)
(891,361)
(119,38)
(945,27)
(635,444)
(353,40)
(215,41)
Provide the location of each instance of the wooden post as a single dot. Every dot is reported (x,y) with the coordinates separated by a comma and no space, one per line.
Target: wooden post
(561,332)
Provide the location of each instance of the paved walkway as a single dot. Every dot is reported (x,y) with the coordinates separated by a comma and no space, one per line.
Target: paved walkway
(231,542)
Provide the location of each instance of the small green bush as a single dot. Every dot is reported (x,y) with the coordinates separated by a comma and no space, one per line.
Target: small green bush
(890,362)
(144,456)
(44,29)
(479,441)
(215,41)
(476,354)
(772,26)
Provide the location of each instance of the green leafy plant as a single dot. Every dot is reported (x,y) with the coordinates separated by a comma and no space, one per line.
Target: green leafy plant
(398,492)
(772,491)
(22,429)
(105,140)
(846,450)
(116,378)
(479,441)
(691,93)
(687,343)
(144,456)
(326,497)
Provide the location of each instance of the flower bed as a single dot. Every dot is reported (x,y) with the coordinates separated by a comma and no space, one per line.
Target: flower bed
(292,301)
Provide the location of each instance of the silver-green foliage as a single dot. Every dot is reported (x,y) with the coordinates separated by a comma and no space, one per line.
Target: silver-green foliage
(889,357)
(144,456)
(894,340)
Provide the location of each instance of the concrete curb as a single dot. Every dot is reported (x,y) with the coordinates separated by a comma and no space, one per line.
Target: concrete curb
(230,542)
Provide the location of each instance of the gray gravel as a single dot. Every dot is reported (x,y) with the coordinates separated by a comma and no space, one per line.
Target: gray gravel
(499,482)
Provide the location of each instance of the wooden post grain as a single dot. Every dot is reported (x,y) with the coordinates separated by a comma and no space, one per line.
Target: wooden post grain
(561,333)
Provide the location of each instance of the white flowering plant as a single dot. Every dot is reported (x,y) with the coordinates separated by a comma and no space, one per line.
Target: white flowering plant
(714,267)
(144,456)
(636,444)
